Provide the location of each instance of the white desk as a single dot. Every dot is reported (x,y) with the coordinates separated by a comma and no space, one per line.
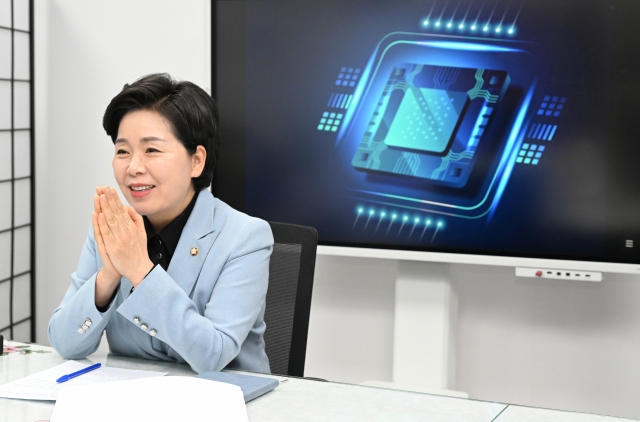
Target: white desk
(297,399)
(530,414)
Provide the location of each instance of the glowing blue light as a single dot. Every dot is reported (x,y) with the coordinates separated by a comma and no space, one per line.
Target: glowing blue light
(439,223)
(473,27)
(417,220)
(360,210)
(371,212)
(510,31)
(461,26)
(426,22)
(405,218)
(452,45)
(498,29)
(508,159)
(383,214)
(449,25)
(360,86)
(438,23)
(485,29)
(394,216)
(428,222)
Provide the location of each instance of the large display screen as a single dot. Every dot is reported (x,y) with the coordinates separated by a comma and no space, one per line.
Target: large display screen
(497,127)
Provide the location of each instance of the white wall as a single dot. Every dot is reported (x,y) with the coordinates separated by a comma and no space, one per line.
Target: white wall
(564,345)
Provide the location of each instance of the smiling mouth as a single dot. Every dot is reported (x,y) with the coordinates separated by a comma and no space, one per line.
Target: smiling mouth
(141,188)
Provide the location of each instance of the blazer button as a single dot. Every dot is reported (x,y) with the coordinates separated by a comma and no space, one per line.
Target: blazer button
(144,327)
(152,332)
(88,322)
(194,251)
(81,330)
(136,320)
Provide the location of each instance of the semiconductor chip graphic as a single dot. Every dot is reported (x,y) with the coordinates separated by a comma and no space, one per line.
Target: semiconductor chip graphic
(426,119)
(429,122)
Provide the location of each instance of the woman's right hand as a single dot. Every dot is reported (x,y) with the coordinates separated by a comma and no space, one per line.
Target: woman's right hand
(108,277)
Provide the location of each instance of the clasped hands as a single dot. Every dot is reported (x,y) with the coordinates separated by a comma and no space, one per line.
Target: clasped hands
(122,244)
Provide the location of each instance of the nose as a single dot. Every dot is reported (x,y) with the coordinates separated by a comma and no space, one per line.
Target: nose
(136,165)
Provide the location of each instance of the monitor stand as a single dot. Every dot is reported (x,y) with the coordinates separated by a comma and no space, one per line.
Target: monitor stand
(425,326)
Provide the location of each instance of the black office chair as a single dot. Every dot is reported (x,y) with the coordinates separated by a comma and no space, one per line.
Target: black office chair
(289,297)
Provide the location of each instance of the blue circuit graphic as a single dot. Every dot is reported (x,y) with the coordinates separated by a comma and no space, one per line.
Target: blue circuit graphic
(445,126)
(447,111)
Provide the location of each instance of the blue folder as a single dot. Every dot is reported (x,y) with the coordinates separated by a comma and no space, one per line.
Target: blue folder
(251,386)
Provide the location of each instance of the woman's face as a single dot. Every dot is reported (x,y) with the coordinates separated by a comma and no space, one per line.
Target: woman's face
(153,168)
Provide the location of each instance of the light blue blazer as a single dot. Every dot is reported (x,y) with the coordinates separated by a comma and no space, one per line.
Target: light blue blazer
(207,310)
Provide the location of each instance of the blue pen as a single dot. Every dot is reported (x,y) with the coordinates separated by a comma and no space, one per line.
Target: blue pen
(78,373)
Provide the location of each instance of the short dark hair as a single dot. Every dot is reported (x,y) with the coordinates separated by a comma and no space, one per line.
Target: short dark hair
(192,113)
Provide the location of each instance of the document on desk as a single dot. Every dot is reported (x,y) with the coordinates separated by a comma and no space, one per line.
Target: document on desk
(166,399)
(43,385)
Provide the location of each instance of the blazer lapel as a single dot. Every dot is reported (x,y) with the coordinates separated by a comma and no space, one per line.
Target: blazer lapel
(198,233)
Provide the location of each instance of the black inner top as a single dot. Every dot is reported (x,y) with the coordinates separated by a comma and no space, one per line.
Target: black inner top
(161,246)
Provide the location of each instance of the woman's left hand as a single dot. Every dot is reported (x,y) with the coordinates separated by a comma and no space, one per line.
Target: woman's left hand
(124,236)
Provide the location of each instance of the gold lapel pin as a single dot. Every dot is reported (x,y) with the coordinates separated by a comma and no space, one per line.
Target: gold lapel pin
(194,251)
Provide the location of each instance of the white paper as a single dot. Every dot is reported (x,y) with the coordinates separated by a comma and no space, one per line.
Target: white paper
(167,399)
(43,385)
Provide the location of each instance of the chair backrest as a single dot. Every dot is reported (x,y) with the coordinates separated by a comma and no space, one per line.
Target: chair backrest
(289,297)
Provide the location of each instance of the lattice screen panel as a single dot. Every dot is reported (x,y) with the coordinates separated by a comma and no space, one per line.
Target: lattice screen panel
(17,296)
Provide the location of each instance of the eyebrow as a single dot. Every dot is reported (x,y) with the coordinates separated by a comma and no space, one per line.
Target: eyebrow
(145,139)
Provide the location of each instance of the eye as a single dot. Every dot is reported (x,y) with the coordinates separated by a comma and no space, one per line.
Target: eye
(151,149)
(121,151)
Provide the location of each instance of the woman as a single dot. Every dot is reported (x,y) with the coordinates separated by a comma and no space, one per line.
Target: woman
(178,275)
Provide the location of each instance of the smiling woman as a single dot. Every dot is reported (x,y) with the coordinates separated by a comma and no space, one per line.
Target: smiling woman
(153,169)
(177,275)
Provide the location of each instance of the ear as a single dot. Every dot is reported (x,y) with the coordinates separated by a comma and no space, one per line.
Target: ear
(197,161)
